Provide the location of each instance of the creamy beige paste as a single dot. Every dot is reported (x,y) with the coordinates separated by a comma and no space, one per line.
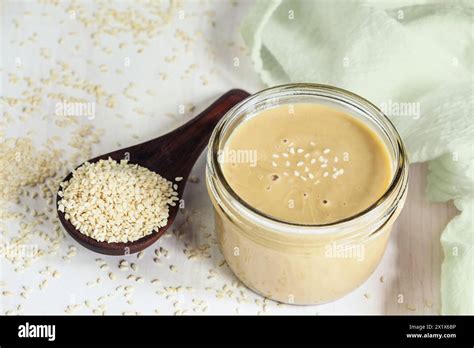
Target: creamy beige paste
(306,164)
(314,164)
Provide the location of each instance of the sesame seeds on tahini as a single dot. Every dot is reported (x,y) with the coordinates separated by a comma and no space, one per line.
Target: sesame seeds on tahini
(305,160)
(116,201)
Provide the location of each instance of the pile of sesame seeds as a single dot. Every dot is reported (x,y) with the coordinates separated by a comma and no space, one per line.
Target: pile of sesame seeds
(116,201)
(30,173)
(22,165)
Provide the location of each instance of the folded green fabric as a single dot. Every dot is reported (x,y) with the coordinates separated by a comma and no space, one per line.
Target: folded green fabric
(415,60)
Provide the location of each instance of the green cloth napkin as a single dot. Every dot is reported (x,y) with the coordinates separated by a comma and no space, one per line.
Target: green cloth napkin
(396,54)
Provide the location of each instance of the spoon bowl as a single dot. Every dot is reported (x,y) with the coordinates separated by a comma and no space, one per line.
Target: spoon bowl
(171,155)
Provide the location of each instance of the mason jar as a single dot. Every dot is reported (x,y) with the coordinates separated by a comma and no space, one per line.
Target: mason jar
(304,263)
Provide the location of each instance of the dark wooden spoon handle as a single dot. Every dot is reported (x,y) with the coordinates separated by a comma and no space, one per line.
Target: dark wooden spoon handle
(199,129)
(187,142)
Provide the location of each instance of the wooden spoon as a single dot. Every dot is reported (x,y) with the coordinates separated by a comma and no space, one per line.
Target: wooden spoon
(171,155)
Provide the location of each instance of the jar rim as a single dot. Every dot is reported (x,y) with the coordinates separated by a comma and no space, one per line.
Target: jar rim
(384,206)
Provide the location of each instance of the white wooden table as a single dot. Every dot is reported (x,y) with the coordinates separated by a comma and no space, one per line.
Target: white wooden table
(156,84)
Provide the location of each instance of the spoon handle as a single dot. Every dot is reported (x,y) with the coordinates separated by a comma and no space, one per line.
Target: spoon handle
(203,124)
(196,132)
(186,143)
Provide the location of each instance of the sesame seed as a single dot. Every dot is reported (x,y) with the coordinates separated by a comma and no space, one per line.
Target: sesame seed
(194,179)
(106,190)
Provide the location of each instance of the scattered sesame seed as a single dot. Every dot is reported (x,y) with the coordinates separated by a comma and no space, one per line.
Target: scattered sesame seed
(194,179)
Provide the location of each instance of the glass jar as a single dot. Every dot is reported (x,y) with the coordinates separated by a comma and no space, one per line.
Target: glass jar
(297,263)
